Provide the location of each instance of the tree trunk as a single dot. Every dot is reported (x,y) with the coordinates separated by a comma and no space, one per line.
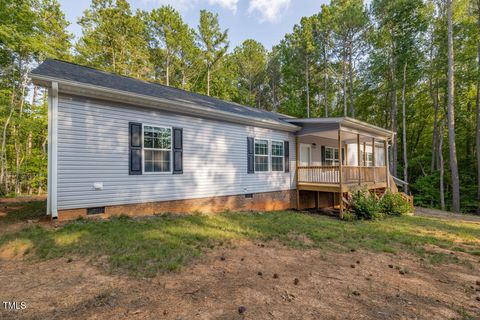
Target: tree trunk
(350,75)
(307,85)
(34,97)
(394,157)
(4,141)
(434,95)
(468,134)
(478,110)
(208,81)
(325,82)
(167,70)
(441,165)
(184,80)
(344,75)
(404,130)
(451,116)
(274,95)
(17,161)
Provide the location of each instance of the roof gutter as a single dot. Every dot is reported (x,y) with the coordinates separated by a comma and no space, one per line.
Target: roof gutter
(93,91)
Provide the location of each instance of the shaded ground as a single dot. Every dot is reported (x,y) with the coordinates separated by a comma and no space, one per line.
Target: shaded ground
(400,268)
(16,213)
(435,213)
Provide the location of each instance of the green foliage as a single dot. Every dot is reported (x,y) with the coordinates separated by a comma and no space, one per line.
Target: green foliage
(30,31)
(349,216)
(365,206)
(171,46)
(113,39)
(394,204)
(213,44)
(252,56)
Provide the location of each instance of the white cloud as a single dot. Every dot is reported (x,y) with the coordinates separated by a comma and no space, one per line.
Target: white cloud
(227,4)
(269,10)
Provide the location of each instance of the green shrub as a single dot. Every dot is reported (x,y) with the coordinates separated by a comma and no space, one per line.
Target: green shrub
(349,216)
(394,204)
(365,205)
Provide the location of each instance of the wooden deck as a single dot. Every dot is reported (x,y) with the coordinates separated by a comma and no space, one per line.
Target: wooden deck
(336,187)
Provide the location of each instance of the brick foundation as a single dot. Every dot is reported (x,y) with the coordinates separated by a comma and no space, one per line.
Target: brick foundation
(265,201)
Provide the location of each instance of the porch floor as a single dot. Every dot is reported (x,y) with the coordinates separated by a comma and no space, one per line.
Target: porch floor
(346,187)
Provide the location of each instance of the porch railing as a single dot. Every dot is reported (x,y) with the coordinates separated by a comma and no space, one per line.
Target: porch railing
(350,174)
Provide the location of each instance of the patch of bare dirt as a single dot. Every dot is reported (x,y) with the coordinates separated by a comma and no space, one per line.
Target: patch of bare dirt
(248,281)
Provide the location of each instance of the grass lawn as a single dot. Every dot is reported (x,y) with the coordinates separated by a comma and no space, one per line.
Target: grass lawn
(144,247)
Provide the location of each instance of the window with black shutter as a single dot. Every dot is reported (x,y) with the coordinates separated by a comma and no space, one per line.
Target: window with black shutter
(287,156)
(322,154)
(177,150)
(250,155)
(135,150)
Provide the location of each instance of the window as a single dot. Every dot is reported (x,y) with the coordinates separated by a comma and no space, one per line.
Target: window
(331,156)
(261,155)
(369,159)
(277,156)
(157,145)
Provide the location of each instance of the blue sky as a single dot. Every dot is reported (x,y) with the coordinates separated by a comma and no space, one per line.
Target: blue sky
(266,21)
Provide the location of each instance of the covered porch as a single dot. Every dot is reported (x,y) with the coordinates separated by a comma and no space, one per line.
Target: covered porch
(338,155)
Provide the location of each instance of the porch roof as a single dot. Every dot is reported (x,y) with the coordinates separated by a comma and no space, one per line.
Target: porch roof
(314,126)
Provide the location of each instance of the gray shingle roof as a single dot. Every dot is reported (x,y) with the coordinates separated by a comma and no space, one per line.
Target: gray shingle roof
(74,72)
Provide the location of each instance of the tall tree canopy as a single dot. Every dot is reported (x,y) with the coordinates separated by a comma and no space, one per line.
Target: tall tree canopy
(409,65)
(212,41)
(113,39)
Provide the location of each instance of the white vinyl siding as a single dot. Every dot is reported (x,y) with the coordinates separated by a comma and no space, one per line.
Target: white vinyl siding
(93,146)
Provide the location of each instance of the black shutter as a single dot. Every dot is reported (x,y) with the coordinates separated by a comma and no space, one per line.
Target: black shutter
(135,150)
(177,150)
(343,156)
(323,155)
(286,148)
(250,155)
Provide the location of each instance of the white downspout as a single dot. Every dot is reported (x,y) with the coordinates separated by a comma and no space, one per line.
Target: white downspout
(49,153)
(52,150)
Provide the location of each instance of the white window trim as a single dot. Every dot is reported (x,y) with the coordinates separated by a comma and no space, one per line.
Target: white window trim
(143,149)
(365,163)
(262,155)
(332,159)
(282,156)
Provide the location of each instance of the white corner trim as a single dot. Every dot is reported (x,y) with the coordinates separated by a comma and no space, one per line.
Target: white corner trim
(49,152)
(53,148)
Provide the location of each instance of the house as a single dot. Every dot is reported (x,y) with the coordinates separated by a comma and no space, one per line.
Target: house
(118,145)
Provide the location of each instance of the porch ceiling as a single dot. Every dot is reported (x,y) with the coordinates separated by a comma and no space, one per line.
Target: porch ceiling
(328,127)
(347,137)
